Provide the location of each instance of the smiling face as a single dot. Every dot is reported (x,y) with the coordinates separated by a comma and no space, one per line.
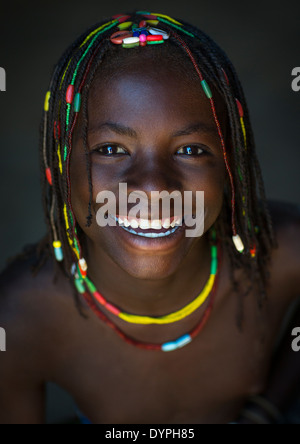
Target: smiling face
(153,129)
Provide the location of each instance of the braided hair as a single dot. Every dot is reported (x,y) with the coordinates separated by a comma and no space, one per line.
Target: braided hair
(245,209)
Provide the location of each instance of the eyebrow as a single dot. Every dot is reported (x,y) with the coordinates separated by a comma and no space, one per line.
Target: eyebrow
(198,127)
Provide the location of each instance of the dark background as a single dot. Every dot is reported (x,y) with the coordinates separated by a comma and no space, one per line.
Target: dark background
(261,38)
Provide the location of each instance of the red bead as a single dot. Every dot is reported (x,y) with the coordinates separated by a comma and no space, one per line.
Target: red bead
(112,309)
(115,17)
(240,108)
(253,251)
(83,272)
(117,37)
(99,298)
(150,17)
(143,24)
(124,19)
(70,94)
(49,176)
(143,43)
(154,38)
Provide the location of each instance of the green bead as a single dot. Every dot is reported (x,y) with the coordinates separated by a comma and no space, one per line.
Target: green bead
(214,251)
(156,42)
(135,26)
(79,285)
(90,286)
(130,45)
(214,267)
(77,102)
(206,89)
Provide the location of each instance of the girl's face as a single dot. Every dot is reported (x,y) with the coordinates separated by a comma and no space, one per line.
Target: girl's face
(150,118)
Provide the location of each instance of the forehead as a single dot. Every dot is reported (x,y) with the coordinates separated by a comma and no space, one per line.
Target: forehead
(161,90)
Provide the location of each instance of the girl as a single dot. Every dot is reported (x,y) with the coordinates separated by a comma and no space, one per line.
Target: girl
(165,328)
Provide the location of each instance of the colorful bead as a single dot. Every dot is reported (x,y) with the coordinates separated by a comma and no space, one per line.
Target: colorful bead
(154,38)
(79,285)
(124,25)
(131,40)
(117,37)
(130,45)
(143,24)
(170,19)
(238,243)
(184,340)
(49,176)
(58,251)
(77,103)
(253,251)
(99,298)
(155,31)
(152,22)
(143,38)
(240,108)
(135,34)
(156,42)
(112,309)
(82,265)
(168,346)
(47,99)
(206,89)
(123,19)
(70,94)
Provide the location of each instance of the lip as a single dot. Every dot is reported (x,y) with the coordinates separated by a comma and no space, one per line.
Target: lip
(149,243)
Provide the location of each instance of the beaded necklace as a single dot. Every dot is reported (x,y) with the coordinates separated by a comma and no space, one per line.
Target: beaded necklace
(167,346)
(84,284)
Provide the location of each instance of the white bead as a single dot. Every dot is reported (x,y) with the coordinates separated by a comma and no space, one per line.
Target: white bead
(155,31)
(130,40)
(238,243)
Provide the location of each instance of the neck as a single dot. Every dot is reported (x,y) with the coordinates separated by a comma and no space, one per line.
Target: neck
(145,296)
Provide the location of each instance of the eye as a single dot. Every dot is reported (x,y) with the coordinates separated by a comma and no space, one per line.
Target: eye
(191,150)
(110,150)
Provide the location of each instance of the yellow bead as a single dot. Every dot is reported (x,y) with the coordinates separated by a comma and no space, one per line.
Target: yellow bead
(124,25)
(57,244)
(47,98)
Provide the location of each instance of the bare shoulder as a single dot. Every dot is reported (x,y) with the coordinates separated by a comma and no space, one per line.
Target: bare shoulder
(286,258)
(32,307)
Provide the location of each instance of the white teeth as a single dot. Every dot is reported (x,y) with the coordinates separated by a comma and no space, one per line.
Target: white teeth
(145,224)
(145,234)
(173,224)
(166,223)
(178,221)
(121,221)
(126,222)
(156,224)
(134,223)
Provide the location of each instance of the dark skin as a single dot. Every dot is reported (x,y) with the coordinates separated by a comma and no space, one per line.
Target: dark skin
(113,382)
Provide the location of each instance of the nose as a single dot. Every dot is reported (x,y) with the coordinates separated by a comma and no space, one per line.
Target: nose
(152,173)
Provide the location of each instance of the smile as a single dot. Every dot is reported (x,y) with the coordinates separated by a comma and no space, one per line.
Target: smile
(151,229)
